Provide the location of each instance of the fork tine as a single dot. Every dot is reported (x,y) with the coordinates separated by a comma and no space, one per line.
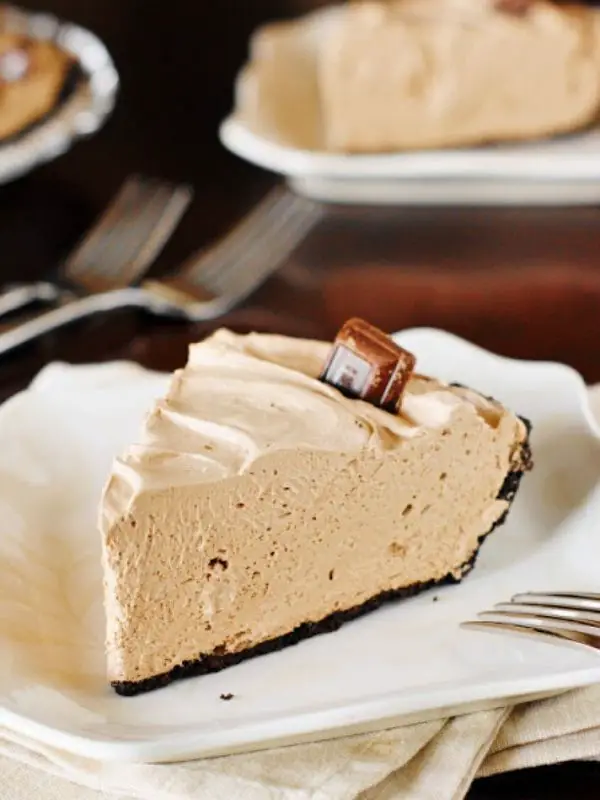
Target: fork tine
(589,601)
(124,201)
(547,633)
(260,263)
(272,212)
(124,250)
(100,266)
(286,210)
(550,611)
(130,236)
(530,620)
(210,258)
(267,251)
(136,241)
(161,229)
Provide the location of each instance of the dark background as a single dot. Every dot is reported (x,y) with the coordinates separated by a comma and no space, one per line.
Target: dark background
(524,282)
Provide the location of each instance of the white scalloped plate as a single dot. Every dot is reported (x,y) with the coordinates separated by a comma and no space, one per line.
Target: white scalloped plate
(405,662)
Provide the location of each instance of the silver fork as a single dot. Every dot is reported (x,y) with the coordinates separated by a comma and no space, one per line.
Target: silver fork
(211,283)
(555,616)
(119,248)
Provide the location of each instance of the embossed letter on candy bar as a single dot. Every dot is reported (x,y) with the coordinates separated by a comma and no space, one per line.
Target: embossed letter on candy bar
(364,362)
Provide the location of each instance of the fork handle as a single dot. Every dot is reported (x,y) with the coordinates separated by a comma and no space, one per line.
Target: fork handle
(20,295)
(71,312)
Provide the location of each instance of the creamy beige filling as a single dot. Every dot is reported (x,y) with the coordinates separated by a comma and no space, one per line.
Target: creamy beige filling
(289,515)
(433,73)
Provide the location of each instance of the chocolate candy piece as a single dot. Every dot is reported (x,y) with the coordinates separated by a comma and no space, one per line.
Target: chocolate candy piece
(364,362)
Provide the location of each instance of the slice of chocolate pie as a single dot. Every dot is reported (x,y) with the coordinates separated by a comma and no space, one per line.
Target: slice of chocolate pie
(283,487)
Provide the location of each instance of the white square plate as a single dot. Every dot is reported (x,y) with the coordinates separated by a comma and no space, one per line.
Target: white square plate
(404,662)
(276,124)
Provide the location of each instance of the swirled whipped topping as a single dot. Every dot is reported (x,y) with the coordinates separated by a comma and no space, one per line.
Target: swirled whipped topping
(240,397)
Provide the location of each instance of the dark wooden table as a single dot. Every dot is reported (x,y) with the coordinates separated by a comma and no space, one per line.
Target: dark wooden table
(524,282)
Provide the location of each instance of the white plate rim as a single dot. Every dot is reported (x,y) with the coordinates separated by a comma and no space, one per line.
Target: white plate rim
(516,162)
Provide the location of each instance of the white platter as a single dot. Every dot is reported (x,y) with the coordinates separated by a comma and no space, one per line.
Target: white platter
(85,109)
(405,662)
(276,124)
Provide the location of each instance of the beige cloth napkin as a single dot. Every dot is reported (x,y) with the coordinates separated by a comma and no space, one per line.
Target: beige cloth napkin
(435,760)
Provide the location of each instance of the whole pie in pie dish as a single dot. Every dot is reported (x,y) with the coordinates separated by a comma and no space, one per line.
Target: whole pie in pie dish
(36,75)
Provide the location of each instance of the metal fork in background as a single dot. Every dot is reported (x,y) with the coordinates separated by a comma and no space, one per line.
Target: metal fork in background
(119,248)
(215,280)
(210,283)
(554,616)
